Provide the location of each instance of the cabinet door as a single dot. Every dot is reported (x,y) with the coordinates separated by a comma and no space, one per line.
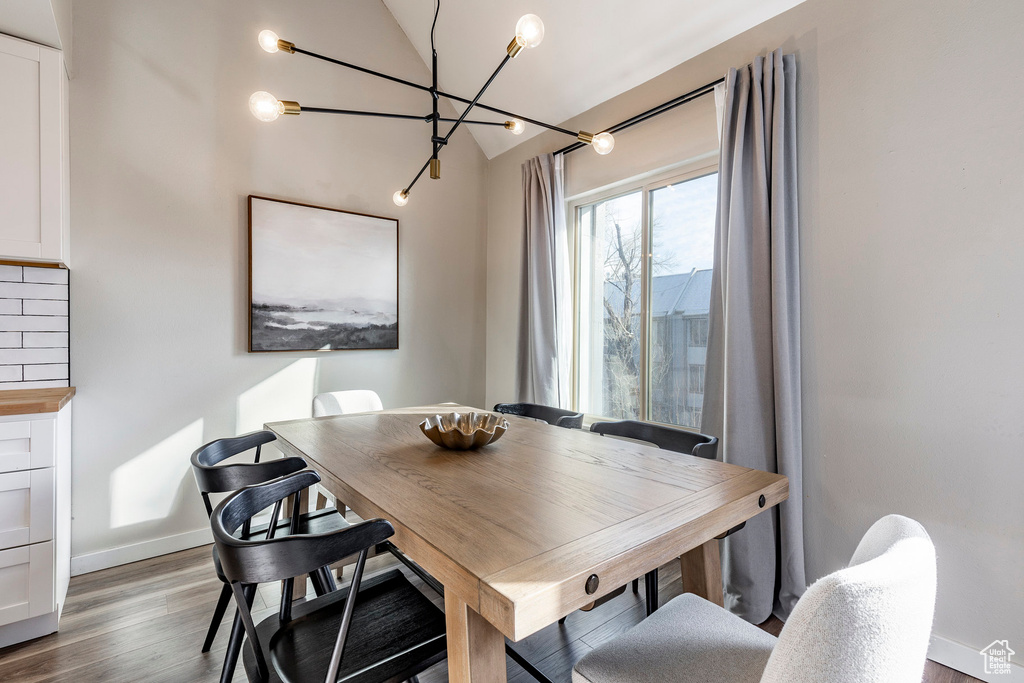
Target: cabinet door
(26,507)
(27,444)
(26,582)
(31,165)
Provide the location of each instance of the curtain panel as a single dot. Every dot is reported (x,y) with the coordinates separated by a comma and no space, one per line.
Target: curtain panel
(545,332)
(753,404)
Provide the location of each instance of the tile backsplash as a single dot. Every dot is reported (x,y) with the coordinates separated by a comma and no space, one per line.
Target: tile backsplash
(33,327)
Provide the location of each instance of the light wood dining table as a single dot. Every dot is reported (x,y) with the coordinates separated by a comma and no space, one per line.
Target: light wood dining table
(517,530)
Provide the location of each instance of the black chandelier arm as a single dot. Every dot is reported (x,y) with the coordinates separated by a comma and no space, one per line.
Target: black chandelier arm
(407,189)
(535,122)
(354,112)
(387,115)
(425,88)
(505,60)
(362,69)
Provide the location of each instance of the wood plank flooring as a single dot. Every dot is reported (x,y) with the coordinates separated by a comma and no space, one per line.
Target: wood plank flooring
(146,622)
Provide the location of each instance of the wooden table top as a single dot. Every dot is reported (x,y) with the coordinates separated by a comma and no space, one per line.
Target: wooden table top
(517,527)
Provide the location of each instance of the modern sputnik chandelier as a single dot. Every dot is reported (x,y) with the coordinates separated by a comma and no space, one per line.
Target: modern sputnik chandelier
(529,33)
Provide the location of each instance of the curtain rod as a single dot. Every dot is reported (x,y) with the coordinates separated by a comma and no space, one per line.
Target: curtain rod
(651,113)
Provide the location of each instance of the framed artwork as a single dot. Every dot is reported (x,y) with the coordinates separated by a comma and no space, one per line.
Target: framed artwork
(321,279)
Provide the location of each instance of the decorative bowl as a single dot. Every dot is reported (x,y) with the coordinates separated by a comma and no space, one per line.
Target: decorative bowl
(464,431)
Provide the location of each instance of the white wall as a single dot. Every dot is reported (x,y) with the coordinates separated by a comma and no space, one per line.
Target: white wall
(910,143)
(164,153)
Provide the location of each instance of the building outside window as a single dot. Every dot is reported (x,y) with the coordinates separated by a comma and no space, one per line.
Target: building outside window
(643,288)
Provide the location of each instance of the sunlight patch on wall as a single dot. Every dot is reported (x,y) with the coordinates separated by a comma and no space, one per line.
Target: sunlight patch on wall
(145,488)
(285,395)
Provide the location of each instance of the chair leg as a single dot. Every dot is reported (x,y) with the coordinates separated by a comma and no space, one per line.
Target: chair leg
(327,579)
(218,616)
(651,584)
(317,580)
(227,672)
(636,586)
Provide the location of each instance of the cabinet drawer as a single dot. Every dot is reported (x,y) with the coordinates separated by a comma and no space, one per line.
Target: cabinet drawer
(26,507)
(26,582)
(27,444)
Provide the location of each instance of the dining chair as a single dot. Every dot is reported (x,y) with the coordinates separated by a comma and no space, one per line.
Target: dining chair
(346,402)
(553,416)
(377,630)
(342,403)
(669,439)
(867,623)
(212,476)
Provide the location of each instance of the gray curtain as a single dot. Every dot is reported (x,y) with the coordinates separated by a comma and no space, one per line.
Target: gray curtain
(544,333)
(752,399)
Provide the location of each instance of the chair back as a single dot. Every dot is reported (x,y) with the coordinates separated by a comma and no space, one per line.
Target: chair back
(868,623)
(248,562)
(214,477)
(553,416)
(345,402)
(668,438)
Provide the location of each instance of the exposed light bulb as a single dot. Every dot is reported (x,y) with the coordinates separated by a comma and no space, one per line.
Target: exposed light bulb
(516,126)
(268,40)
(603,143)
(265,106)
(401,198)
(529,30)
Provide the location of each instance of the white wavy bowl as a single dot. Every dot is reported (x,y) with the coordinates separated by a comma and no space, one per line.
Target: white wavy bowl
(464,431)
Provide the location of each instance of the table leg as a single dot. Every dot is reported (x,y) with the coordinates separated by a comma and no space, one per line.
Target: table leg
(476,650)
(702,572)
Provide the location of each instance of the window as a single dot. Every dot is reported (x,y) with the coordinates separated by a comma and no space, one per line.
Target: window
(643,289)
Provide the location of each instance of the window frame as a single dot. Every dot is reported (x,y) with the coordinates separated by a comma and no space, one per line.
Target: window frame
(646,184)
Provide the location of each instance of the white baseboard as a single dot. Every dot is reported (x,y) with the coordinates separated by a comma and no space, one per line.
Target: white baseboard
(104,559)
(968,660)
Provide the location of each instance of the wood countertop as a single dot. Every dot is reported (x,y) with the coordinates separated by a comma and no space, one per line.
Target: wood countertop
(29,401)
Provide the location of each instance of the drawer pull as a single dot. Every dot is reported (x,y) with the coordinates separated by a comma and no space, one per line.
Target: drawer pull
(591,585)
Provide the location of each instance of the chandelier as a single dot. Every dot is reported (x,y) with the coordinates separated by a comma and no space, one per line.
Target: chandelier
(529,33)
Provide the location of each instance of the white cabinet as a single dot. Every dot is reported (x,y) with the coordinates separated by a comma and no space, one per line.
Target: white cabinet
(34,197)
(35,522)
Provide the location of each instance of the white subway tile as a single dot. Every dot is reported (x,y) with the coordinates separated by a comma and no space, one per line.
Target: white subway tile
(38,372)
(4,386)
(19,290)
(33,323)
(10,340)
(57,276)
(10,373)
(10,306)
(25,356)
(10,273)
(42,307)
(44,339)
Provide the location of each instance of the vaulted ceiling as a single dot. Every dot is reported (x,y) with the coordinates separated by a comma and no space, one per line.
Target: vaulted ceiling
(592,51)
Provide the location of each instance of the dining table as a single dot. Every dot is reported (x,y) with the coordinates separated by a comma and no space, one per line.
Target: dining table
(533,526)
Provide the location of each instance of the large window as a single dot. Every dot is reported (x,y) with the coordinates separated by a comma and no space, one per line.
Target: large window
(643,288)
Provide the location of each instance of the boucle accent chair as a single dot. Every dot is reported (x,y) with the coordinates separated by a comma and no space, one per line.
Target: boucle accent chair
(868,623)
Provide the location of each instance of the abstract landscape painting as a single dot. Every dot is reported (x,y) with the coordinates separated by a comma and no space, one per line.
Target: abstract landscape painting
(321,279)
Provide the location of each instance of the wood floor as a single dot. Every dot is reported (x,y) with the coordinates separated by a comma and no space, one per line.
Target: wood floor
(146,622)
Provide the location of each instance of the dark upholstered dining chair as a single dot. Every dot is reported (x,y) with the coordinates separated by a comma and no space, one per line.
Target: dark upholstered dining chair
(213,475)
(381,630)
(553,416)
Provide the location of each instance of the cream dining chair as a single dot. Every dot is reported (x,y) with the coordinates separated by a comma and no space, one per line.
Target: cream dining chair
(342,403)
(867,623)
